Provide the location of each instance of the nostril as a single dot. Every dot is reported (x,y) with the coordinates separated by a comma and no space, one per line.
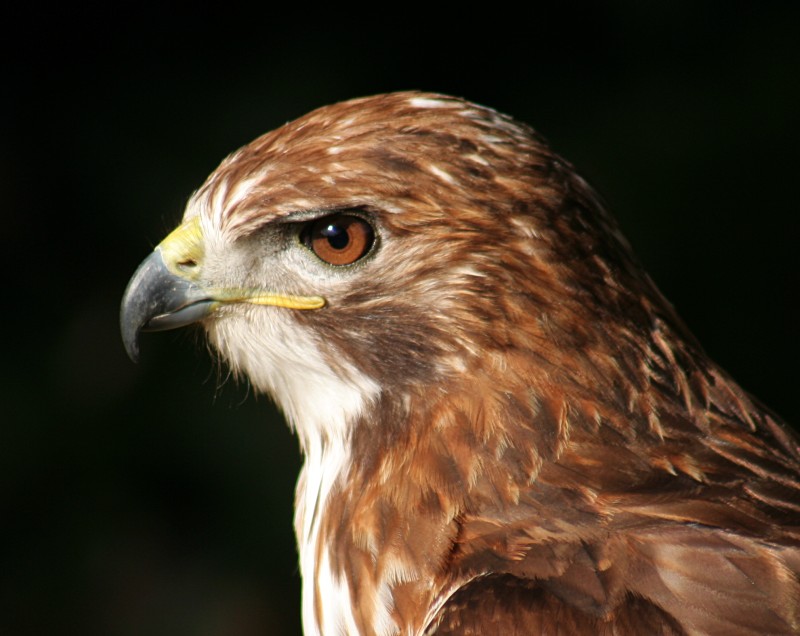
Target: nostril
(188,267)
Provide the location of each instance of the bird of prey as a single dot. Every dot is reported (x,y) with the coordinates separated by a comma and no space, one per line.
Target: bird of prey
(506,427)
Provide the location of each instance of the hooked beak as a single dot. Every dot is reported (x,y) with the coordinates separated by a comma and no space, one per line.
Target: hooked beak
(157,300)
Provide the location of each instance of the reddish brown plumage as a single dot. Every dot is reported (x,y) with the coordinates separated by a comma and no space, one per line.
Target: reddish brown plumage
(550,452)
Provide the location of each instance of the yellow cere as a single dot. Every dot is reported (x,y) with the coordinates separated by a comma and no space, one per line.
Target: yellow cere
(182,250)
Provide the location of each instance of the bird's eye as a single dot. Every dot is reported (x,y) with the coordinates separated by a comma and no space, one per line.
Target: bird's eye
(339,239)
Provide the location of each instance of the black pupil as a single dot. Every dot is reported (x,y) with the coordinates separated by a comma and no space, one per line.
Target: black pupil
(337,236)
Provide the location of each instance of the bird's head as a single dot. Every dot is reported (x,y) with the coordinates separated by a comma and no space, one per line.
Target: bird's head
(492,396)
(390,241)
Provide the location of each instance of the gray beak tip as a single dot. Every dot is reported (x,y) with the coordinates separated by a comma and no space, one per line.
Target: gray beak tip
(130,339)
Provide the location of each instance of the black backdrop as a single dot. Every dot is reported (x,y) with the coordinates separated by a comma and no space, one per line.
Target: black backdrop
(157,498)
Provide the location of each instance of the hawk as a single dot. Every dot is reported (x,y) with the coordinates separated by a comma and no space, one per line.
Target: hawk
(506,427)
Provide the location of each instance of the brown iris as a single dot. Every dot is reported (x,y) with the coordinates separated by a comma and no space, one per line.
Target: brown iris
(339,239)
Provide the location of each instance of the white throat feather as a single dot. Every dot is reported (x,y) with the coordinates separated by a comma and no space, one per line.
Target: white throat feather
(283,359)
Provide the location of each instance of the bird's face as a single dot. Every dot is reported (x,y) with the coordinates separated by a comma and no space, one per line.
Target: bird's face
(386,242)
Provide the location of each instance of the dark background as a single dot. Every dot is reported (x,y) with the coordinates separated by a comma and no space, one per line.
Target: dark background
(157,498)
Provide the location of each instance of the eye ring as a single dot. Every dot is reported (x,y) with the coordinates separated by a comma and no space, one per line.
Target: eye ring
(338,239)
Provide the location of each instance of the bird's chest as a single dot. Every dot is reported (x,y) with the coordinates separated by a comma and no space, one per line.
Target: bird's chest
(327,602)
(365,562)
(339,595)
